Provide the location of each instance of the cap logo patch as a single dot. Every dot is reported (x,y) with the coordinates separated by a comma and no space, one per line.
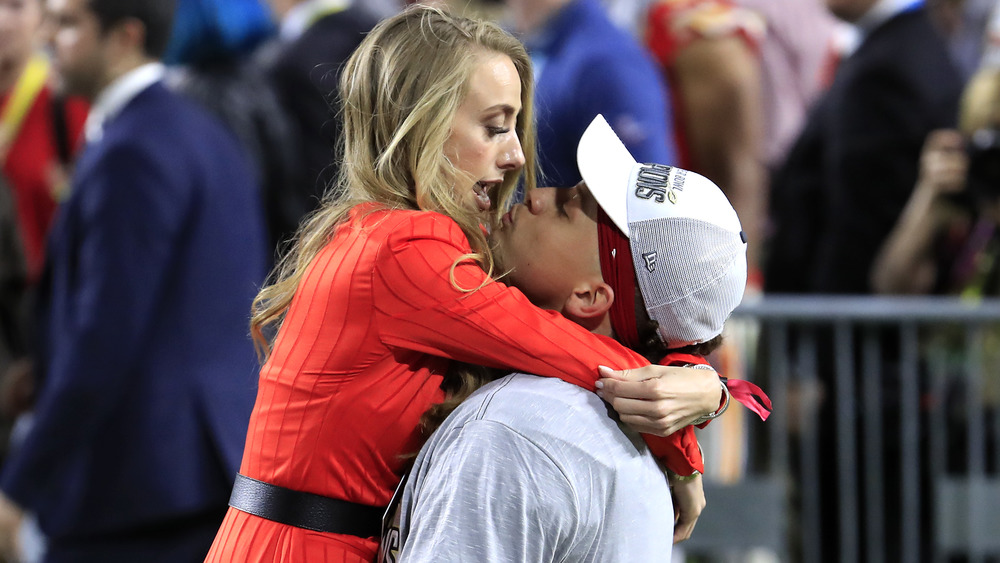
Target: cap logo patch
(652,182)
(650,258)
(656,182)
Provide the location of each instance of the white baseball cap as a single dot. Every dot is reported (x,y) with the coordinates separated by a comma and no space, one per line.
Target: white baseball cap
(688,248)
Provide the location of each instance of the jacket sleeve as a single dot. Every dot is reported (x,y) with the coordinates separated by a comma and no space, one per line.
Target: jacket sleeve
(129,212)
(419,306)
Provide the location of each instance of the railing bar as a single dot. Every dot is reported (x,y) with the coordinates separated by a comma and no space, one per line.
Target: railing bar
(747,335)
(937,443)
(973,396)
(812,538)
(872,404)
(992,370)
(779,380)
(909,443)
(996,440)
(882,309)
(846,452)
(976,432)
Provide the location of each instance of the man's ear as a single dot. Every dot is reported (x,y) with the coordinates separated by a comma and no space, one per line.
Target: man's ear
(589,304)
(129,35)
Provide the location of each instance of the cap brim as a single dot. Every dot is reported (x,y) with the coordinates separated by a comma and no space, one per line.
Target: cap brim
(606,167)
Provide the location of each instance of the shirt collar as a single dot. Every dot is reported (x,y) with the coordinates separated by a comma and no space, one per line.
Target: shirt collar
(303,15)
(117,95)
(884,10)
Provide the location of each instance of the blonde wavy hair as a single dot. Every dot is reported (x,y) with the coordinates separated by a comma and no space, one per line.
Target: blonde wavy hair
(399,92)
(980,105)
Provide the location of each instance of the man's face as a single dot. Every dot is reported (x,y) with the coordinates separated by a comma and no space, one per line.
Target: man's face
(549,243)
(20,22)
(849,10)
(78,47)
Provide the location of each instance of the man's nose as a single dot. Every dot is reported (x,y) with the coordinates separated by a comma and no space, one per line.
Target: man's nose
(540,200)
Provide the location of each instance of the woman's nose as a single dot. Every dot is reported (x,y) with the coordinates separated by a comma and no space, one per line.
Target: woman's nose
(511,157)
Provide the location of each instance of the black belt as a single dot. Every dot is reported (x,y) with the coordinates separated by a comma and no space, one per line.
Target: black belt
(305,510)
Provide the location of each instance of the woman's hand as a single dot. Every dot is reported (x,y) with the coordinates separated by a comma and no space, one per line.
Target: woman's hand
(660,400)
(11,516)
(943,163)
(688,494)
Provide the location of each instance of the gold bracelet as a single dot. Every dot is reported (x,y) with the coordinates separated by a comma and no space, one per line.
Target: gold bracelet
(682,478)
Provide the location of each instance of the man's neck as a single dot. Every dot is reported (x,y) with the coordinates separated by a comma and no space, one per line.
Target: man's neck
(114,97)
(117,71)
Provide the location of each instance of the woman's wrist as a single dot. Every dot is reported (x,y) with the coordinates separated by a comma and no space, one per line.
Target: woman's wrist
(723,404)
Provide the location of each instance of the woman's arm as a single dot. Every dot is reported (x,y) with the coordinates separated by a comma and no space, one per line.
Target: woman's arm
(419,306)
(906,263)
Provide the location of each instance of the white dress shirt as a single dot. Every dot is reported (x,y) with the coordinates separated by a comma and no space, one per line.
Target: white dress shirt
(117,95)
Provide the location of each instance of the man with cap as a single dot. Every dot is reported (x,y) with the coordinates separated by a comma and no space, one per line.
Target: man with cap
(530,469)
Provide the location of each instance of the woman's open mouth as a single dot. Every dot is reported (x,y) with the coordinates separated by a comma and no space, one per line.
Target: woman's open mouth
(481,190)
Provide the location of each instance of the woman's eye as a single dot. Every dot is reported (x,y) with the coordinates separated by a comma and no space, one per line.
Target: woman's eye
(494,130)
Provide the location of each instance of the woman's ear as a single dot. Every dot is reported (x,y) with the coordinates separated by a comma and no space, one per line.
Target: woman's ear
(589,303)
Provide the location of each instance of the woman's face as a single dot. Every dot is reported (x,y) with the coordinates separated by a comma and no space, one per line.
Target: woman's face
(483,145)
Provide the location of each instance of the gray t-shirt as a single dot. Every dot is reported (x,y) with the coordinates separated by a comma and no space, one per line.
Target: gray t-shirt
(534,469)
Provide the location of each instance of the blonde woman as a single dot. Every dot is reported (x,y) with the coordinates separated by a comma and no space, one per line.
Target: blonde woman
(388,286)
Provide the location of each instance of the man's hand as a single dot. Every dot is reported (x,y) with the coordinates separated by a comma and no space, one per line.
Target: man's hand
(660,400)
(11,516)
(688,494)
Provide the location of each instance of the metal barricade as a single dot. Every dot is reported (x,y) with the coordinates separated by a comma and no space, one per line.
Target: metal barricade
(884,444)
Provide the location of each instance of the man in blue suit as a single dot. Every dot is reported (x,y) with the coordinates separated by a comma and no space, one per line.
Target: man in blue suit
(147,369)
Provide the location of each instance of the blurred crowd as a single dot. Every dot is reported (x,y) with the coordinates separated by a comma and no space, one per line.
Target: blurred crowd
(859,141)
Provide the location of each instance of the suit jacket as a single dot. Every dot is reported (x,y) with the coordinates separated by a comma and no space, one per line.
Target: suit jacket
(852,169)
(306,77)
(150,373)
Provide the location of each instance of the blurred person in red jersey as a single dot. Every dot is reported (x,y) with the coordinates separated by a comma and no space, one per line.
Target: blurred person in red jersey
(40,131)
(708,50)
(40,128)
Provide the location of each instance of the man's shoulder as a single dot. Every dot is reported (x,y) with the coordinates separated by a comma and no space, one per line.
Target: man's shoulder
(158,112)
(515,393)
(167,122)
(327,42)
(594,38)
(551,413)
(907,42)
